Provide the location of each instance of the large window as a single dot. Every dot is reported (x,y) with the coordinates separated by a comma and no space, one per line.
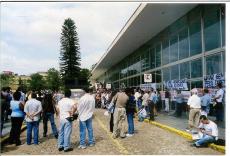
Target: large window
(196,68)
(165,52)
(183,44)
(153,57)
(223,24)
(211,27)
(174,48)
(213,64)
(184,70)
(196,84)
(166,74)
(145,60)
(195,35)
(158,55)
(158,76)
(175,72)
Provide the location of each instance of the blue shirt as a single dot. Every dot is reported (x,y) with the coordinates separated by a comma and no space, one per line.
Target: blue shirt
(205,100)
(16,111)
(179,98)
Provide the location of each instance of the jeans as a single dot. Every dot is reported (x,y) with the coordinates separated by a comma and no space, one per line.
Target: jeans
(83,125)
(205,140)
(15,131)
(32,126)
(65,131)
(46,117)
(130,123)
(139,104)
(151,111)
(179,107)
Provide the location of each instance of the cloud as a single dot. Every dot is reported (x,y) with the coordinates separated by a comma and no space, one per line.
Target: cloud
(31,31)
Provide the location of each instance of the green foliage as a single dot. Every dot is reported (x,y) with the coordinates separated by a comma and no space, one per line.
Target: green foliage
(53,79)
(70,51)
(37,82)
(84,77)
(6,80)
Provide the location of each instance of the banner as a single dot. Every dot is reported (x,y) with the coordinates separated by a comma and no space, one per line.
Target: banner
(147,77)
(148,86)
(176,84)
(210,81)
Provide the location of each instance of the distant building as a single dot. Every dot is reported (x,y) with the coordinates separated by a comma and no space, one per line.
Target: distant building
(8,72)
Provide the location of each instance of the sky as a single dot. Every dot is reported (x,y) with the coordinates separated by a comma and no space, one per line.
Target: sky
(30,32)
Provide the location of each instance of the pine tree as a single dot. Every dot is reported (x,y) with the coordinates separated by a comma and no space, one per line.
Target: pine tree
(70,52)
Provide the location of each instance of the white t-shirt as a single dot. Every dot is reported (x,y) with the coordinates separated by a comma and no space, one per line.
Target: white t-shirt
(33,106)
(220,93)
(211,127)
(137,95)
(65,105)
(145,99)
(86,107)
(194,101)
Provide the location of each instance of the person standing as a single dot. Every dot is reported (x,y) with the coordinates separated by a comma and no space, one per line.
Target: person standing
(130,110)
(32,109)
(219,103)
(167,97)
(179,104)
(194,104)
(205,102)
(48,114)
(86,108)
(17,117)
(121,99)
(151,103)
(65,109)
(145,100)
(137,96)
(111,116)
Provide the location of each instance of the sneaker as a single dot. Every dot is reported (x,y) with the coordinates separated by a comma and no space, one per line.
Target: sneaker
(61,149)
(129,135)
(91,145)
(82,147)
(69,149)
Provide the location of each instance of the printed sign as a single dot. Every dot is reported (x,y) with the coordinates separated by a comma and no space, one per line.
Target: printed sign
(148,86)
(210,81)
(177,84)
(147,77)
(108,86)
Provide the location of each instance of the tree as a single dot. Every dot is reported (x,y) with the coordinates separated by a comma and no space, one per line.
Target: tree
(53,79)
(70,52)
(6,80)
(37,83)
(84,77)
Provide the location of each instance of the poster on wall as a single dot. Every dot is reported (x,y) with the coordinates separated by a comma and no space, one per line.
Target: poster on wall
(176,84)
(108,86)
(210,81)
(147,77)
(148,86)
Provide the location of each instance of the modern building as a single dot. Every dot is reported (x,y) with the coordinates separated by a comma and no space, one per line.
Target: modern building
(170,41)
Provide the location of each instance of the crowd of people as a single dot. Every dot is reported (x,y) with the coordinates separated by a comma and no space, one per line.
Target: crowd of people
(122,106)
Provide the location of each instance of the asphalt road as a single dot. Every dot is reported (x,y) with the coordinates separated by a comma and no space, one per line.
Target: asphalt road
(148,139)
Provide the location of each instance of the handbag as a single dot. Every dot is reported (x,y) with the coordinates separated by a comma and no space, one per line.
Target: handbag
(72,118)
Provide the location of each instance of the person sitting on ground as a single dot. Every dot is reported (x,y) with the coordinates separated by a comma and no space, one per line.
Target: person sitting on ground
(209,130)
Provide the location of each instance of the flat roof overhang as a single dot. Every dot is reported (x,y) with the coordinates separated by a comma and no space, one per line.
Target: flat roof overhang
(147,21)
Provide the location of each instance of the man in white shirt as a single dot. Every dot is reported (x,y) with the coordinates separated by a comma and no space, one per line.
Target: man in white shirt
(137,95)
(194,104)
(145,101)
(219,103)
(32,109)
(65,109)
(86,108)
(209,130)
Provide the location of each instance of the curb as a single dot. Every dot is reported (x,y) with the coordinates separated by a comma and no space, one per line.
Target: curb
(6,137)
(184,134)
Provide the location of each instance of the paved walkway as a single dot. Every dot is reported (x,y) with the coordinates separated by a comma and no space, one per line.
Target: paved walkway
(148,139)
(182,122)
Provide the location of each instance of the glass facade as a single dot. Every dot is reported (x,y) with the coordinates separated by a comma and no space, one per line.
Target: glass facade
(190,48)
